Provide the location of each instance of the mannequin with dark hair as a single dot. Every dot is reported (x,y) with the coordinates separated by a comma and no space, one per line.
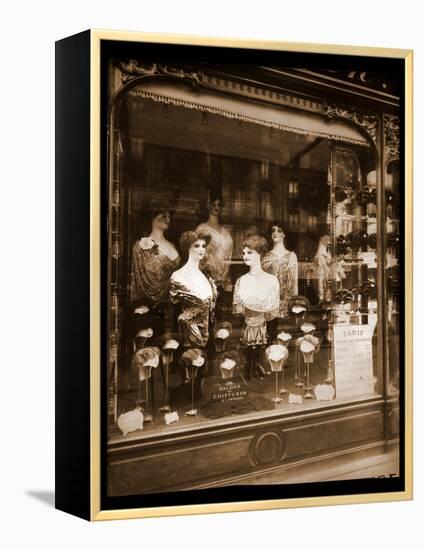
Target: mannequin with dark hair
(195,292)
(219,251)
(154,259)
(283,264)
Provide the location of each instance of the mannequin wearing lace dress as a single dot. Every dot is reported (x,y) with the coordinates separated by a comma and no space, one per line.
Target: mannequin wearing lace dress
(219,250)
(284,265)
(256,298)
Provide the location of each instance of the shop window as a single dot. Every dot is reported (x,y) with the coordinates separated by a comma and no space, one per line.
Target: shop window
(225,298)
(312,223)
(293,187)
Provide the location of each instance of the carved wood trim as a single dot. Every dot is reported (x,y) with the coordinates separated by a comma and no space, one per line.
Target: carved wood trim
(368,122)
(391,132)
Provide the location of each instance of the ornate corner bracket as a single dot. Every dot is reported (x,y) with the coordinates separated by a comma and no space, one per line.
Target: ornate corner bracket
(369,123)
(391,132)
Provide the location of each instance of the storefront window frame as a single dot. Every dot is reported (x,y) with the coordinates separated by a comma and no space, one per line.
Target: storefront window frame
(116,205)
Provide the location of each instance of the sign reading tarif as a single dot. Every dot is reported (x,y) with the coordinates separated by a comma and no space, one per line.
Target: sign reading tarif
(353,360)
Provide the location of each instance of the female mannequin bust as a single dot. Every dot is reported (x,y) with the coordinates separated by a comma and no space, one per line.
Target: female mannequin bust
(219,249)
(154,259)
(194,291)
(256,294)
(327,268)
(284,265)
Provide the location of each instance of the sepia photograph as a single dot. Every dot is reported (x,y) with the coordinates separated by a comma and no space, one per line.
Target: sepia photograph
(255,260)
(234,260)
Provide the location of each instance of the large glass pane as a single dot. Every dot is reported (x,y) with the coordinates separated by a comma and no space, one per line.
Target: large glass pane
(354,278)
(243,269)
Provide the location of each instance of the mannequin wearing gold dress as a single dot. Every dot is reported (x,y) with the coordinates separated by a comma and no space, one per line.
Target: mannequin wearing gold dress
(194,291)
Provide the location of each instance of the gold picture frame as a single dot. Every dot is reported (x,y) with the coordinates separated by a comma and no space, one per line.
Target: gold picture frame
(89,503)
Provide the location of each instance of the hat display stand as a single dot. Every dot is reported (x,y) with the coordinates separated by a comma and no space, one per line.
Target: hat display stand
(192,360)
(298,380)
(140,341)
(145,360)
(308,387)
(220,339)
(227,373)
(277,355)
(277,399)
(298,306)
(284,390)
(167,359)
(192,374)
(148,417)
(284,341)
(308,348)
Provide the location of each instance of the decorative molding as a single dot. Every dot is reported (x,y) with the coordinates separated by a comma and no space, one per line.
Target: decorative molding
(391,132)
(369,123)
(274,96)
(134,68)
(268,448)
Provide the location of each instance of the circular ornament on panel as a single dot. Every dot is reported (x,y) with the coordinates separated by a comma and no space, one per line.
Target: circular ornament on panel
(268,448)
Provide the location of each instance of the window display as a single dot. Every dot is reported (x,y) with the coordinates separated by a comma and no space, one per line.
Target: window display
(251,283)
(247,235)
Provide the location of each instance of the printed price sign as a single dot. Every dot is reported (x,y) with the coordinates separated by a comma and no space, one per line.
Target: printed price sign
(353,360)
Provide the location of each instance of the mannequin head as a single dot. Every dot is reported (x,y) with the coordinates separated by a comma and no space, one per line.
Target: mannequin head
(324,241)
(160,221)
(277,233)
(193,245)
(197,250)
(253,248)
(215,207)
(154,217)
(214,202)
